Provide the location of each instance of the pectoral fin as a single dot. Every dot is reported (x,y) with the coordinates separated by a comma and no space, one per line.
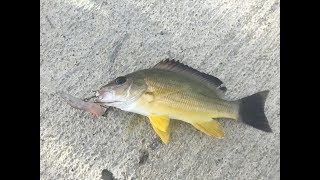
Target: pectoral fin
(211,128)
(160,124)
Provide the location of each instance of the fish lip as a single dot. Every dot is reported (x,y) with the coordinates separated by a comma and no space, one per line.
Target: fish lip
(99,98)
(108,102)
(111,101)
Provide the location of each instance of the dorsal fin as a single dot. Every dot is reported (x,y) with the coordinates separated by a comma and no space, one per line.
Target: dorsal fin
(176,66)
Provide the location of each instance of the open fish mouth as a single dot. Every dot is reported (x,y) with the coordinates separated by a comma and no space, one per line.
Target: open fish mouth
(105,102)
(98,100)
(95,99)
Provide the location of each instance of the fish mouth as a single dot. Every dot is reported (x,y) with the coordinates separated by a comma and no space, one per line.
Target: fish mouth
(97,100)
(108,102)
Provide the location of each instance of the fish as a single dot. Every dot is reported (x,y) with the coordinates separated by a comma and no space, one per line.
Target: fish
(171,90)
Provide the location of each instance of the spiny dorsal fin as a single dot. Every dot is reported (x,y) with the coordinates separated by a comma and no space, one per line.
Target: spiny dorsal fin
(176,66)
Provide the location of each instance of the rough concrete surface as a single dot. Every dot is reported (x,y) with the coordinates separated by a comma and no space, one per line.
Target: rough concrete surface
(86,43)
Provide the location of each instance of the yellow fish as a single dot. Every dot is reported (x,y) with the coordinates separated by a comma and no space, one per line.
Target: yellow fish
(172,90)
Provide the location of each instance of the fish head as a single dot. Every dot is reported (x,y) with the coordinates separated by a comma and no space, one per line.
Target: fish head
(121,91)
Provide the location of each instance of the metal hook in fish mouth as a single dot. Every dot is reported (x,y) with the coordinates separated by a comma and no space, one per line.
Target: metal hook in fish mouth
(89,98)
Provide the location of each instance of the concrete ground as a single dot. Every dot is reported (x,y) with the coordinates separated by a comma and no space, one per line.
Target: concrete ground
(86,43)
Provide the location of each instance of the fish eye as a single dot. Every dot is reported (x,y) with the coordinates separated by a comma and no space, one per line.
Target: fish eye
(120,80)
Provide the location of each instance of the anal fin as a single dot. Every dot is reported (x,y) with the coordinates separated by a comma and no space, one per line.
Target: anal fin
(211,128)
(160,124)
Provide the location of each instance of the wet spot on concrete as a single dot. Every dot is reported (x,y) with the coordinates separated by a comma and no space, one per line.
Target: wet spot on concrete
(144,155)
(218,161)
(107,175)
(135,121)
(155,143)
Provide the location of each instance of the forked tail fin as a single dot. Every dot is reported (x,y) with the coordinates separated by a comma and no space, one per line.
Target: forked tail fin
(251,111)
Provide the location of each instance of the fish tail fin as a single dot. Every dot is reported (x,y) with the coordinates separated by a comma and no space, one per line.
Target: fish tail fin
(251,111)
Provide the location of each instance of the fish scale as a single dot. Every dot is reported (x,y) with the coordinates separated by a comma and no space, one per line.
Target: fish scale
(189,102)
(173,92)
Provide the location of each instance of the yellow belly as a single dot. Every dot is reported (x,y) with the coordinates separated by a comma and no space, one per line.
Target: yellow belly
(178,113)
(186,109)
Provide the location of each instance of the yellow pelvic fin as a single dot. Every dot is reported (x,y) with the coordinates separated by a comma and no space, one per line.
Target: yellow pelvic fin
(160,124)
(211,128)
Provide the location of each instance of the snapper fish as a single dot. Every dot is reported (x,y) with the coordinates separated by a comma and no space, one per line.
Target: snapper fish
(171,90)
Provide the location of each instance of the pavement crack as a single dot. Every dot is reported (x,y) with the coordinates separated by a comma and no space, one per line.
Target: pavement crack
(117,47)
(49,21)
